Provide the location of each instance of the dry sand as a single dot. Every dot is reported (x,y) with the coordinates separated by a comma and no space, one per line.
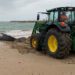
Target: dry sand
(17,58)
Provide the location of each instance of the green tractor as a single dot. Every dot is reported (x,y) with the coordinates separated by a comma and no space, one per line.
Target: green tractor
(56,35)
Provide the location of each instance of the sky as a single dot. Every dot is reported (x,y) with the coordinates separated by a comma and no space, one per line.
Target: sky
(27,9)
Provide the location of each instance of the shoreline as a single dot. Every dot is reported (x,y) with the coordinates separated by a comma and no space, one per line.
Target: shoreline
(22,21)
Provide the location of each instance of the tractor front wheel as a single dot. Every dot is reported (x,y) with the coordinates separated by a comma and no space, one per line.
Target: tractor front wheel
(35,41)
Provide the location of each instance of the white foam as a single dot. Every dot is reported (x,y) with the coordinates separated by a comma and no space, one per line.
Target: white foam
(19,33)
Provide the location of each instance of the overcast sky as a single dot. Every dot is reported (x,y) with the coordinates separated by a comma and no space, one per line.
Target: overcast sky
(27,9)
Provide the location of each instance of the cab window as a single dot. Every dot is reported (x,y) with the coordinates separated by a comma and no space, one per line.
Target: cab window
(73,16)
(55,16)
(51,16)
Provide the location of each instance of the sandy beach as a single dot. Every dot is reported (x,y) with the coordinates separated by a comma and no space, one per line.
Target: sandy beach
(18,58)
(48,25)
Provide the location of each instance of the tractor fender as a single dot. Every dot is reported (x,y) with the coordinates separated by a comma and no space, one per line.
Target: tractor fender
(59,27)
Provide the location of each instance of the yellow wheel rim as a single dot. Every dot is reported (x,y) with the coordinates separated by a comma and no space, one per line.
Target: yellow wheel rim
(52,43)
(34,43)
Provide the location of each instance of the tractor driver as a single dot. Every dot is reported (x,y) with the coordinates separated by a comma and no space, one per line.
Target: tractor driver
(63,17)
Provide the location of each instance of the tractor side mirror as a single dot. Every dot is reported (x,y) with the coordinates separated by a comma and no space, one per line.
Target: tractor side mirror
(38,16)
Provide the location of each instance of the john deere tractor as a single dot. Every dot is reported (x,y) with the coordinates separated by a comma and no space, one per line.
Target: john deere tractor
(55,35)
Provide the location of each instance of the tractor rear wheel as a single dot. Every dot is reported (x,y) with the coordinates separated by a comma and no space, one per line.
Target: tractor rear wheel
(57,44)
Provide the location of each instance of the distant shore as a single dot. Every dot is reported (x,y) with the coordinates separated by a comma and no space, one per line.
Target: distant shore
(24,21)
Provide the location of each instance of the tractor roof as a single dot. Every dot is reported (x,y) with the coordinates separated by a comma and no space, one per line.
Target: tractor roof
(62,9)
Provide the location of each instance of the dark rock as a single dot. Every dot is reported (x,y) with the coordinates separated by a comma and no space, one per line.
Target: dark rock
(5,37)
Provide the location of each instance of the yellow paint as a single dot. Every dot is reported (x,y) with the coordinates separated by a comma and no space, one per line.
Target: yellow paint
(34,43)
(52,43)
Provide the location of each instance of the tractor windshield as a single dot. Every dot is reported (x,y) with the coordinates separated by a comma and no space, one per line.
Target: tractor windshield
(70,16)
(66,16)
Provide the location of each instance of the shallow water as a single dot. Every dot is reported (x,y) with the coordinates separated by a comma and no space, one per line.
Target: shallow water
(8,26)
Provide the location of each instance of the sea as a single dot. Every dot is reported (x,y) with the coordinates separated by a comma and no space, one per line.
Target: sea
(8,26)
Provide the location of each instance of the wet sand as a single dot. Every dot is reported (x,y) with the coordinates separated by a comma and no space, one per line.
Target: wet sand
(18,58)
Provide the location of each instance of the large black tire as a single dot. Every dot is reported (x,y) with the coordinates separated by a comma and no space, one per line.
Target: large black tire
(37,39)
(64,44)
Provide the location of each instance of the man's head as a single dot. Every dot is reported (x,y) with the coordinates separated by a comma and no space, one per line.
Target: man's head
(63,13)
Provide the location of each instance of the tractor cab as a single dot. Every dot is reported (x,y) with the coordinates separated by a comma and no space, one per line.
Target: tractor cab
(62,14)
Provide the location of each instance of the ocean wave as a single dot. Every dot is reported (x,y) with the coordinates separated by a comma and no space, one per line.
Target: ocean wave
(19,33)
